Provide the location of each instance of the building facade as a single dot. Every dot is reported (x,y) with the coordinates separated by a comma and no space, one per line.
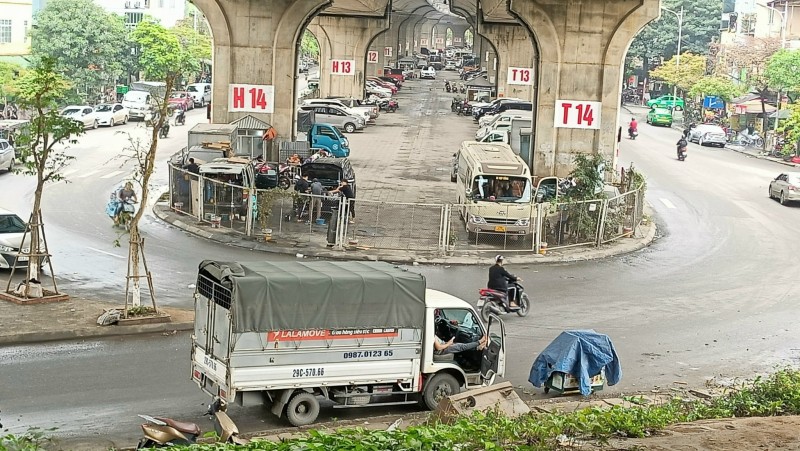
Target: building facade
(16,17)
(167,12)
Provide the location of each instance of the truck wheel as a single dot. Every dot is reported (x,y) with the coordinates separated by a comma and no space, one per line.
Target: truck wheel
(440,386)
(302,409)
(349,127)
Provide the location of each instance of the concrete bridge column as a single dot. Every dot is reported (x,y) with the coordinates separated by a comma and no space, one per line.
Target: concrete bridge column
(425,36)
(514,49)
(439,36)
(344,38)
(582,45)
(458,34)
(256,45)
(406,35)
(389,38)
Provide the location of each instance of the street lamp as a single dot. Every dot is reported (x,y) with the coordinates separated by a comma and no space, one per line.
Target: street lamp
(679,16)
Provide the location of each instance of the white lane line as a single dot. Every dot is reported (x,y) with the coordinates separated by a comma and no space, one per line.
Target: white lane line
(87,174)
(111,174)
(667,203)
(104,252)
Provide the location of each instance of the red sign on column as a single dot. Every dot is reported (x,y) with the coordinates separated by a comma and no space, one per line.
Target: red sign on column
(251,98)
(577,114)
(387,51)
(343,67)
(520,76)
(372,57)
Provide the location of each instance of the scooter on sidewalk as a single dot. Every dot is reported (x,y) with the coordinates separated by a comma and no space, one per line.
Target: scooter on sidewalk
(161,432)
(493,301)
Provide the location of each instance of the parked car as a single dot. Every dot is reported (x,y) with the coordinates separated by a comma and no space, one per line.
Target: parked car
(111,114)
(785,187)
(182,99)
(667,101)
(374,88)
(358,104)
(329,172)
(83,114)
(7,155)
(200,92)
(12,228)
(660,116)
(428,73)
(359,112)
(708,134)
(450,66)
(384,84)
(337,117)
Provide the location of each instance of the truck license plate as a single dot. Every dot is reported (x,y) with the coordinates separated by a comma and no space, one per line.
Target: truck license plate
(499,228)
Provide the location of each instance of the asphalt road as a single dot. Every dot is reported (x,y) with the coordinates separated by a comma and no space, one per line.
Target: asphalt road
(713,297)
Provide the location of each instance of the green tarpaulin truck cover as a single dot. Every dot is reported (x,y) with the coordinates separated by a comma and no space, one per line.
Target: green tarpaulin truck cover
(267,296)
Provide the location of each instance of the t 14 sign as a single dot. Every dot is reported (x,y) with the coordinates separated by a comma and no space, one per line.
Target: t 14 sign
(343,67)
(578,114)
(251,98)
(520,76)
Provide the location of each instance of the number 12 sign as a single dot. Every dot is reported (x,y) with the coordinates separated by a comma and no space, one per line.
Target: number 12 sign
(577,114)
(343,67)
(251,98)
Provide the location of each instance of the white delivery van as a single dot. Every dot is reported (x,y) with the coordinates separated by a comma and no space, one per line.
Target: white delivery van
(354,333)
(493,189)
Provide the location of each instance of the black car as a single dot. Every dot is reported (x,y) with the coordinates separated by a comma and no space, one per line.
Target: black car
(329,172)
(503,107)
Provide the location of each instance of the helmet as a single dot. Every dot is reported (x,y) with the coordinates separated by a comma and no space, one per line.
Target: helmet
(498,258)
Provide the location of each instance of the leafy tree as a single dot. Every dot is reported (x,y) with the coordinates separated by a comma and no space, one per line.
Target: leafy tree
(692,69)
(198,46)
(39,91)
(791,128)
(746,60)
(8,73)
(782,69)
(715,85)
(85,41)
(309,44)
(162,57)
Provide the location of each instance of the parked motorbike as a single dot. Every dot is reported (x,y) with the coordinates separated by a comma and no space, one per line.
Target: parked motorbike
(392,106)
(491,302)
(285,178)
(754,140)
(447,86)
(160,432)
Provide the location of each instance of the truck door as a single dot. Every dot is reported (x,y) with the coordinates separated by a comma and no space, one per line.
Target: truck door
(493,360)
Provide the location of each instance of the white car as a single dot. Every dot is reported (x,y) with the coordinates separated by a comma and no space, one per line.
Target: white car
(429,73)
(200,92)
(450,66)
(83,114)
(380,91)
(708,134)
(6,155)
(111,114)
(12,228)
(785,187)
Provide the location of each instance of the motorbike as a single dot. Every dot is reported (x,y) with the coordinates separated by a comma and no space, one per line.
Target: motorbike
(123,218)
(754,140)
(447,86)
(392,106)
(180,119)
(285,176)
(491,302)
(163,131)
(632,134)
(161,432)
(681,152)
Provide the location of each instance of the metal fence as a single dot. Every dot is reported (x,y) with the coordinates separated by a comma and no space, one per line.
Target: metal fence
(291,219)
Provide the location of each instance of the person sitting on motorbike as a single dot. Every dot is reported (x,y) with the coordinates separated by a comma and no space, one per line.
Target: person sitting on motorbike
(181,117)
(633,127)
(124,195)
(498,281)
(682,144)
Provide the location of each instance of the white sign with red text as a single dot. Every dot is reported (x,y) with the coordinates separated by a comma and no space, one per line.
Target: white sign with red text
(343,67)
(520,76)
(372,57)
(423,42)
(577,114)
(456,40)
(439,41)
(251,98)
(387,51)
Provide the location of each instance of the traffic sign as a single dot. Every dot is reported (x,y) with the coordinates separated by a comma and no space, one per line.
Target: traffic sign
(520,76)
(387,51)
(372,57)
(577,114)
(343,67)
(251,98)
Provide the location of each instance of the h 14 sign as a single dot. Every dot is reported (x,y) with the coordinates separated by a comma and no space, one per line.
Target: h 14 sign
(372,57)
(577,114)
(343,67)
(520,76)
(251,98)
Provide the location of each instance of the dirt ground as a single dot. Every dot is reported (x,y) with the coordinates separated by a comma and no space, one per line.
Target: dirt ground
(774,433)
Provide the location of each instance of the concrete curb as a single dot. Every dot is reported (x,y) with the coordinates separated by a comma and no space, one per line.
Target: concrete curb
(107,331)
(622,246)
(760,157)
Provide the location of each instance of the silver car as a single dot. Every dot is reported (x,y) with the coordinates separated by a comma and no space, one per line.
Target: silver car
(785,187)
(337,117)
(12,228)
(7,155)
(708,134)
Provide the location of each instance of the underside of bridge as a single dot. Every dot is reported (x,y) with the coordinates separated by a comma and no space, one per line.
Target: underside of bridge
(570,55)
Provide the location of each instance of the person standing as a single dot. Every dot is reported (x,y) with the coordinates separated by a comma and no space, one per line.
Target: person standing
(302,188)
(347,191)
(317,191)
(192,167)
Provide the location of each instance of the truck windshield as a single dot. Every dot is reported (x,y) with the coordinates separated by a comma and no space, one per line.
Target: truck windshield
(500,188)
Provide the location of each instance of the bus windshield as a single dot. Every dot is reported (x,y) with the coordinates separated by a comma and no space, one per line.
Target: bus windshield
(500,188)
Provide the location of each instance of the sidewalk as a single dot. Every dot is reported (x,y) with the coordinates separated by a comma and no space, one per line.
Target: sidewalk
(642,238)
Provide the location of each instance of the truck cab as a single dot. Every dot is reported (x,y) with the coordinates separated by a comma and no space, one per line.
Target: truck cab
(329,138)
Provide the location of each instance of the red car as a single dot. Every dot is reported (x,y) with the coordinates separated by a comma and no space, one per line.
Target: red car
(182,99)
(384,84)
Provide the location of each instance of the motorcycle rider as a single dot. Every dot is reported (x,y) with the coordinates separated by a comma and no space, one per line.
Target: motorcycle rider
(180,119)
(498,281)
(682,144)
(633,128)
(125,194)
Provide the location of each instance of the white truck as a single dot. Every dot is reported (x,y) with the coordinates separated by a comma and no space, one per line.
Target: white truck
(355,333)
(143,98)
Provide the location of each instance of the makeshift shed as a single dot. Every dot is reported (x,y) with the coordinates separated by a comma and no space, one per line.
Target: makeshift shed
(250,135)
(478,88)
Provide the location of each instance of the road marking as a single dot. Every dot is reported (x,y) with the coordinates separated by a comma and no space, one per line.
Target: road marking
(104,252)
(111,174)
(87,174)
(667,203)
